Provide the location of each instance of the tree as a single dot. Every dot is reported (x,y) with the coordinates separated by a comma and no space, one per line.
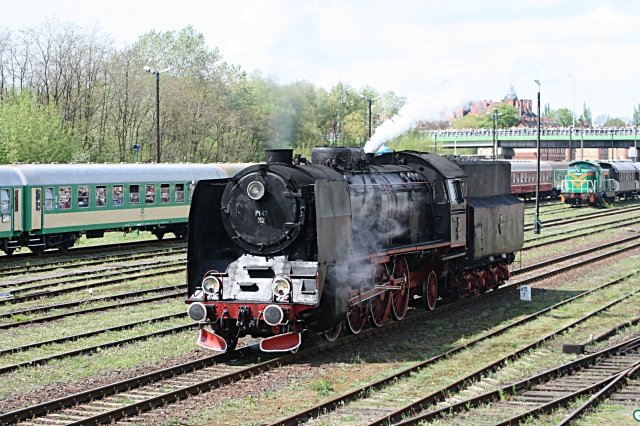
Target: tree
(30,132)
(636,116)
(563,117)
(585,118)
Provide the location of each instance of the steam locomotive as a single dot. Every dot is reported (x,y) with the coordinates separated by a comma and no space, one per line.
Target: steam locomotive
(290,246)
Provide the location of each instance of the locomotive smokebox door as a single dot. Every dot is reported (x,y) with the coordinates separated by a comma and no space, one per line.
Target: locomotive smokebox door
(333,223)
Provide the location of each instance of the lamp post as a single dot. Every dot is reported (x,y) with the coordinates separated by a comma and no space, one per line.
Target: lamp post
(369,101)
(573,112)
(157,74)
(495,115)
(537,225)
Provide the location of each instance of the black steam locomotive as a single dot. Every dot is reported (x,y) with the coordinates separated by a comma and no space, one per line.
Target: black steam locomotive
(288,246)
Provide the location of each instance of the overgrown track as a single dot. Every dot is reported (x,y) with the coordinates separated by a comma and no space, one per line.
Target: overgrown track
(547,391)
(397,415)
(565,221)
(53,255)
(111,257)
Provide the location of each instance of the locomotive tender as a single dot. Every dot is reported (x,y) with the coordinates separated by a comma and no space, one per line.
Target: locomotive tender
(285,246)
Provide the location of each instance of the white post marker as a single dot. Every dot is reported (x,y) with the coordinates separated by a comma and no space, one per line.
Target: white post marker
(525,293)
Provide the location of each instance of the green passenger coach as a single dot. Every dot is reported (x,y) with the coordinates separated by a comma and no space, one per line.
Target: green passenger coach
(11,207)
(51,206)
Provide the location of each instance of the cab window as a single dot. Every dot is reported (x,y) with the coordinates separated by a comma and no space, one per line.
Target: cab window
(49,199)
(83,197)
(134,194)
(439,193)
(456,189)
(179,192)
(164,193)
(149,194)
(101,196)
(118,195)
(64,197)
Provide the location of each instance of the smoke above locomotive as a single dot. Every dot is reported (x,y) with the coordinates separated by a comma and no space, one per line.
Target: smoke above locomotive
(348,238)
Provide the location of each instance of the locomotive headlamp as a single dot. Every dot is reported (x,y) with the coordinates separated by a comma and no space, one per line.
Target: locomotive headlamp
(197,312)
(281,286)
(255,190)
(212,285)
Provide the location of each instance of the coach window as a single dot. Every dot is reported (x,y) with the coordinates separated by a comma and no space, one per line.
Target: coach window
(179,192)
(101,196)
(439,193)
(134,194)
(49,199)
(83,196)
(5,204)
(164,193)
(149,194)
(64,197)
(118,195)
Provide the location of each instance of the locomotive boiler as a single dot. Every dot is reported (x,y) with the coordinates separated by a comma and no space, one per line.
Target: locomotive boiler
(289,246)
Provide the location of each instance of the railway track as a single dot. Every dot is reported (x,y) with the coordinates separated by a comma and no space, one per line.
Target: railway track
(160,293)
(148,398)
(38,268)
(371,392)
(89,250)
(541,393)
(567,235)
(566,221)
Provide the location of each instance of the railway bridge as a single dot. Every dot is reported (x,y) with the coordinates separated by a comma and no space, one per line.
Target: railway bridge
(507,140)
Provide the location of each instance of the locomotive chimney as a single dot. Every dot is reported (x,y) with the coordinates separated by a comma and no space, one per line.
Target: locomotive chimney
(279,156)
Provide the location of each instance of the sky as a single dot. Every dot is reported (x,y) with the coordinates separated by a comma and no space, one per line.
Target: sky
(437,54)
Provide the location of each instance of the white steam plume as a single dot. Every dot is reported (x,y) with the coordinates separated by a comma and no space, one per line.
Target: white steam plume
(406,119)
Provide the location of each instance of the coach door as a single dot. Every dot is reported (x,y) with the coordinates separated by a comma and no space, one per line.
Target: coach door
(17,209)
(36,208)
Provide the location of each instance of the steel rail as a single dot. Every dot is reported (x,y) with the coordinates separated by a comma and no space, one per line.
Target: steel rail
(87,261)
(97,283)
(514,388)
(79,336)
(84,275)
(582,218)
(93,249)
(53,317)
(92,349)
(357,394)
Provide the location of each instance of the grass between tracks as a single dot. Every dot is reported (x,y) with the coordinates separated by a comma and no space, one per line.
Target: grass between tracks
(349,370)
(59,373)
(87,294)
(91,368)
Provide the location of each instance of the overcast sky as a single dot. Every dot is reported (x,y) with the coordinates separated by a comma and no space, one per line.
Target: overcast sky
(438,54)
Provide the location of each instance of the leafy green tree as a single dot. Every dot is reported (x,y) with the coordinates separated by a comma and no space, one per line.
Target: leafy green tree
(615,122)
(563,117)
(636,116)
(507,117)
(585,118)
(469,121)
(30,132)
